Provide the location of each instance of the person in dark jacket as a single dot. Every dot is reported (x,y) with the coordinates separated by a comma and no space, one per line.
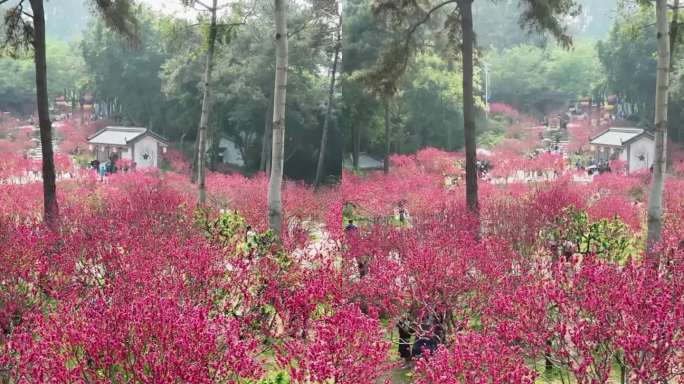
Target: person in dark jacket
(432,337)
(350,226)
(405,333)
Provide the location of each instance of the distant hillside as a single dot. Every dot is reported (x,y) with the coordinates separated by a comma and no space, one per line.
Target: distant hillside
(597,18)
(66,19)
(496,23)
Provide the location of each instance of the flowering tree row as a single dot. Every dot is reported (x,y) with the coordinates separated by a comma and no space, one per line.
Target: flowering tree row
(139,286)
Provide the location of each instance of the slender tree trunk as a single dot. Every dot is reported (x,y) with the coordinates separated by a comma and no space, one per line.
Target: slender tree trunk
(356,146)
(328,112)
(548,364)
(50,206)
(655,198)
(465,7)
(270,148)
(674,38)
(275,213)
(398,137)
(193,168)
(267,137)
(424,138)
(206,107)
(182,140)
(449,130)
(387,137)
(212,144)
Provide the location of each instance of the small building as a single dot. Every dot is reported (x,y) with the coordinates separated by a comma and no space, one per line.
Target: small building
(634,146)
(366,163)
(136,144)
(228,152)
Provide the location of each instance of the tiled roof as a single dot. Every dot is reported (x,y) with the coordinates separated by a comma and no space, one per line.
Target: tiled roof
(616,136)
(116,135)
(367,162)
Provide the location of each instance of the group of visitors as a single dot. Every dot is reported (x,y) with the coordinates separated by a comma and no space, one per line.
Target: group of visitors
(600,166)
(108,167)
(483,168)
(424,326)
(594,166)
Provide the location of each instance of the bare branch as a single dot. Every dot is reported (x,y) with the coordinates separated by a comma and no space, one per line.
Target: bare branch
(207,7)
(298,30)
(18,31)
(119,16)
(414,27)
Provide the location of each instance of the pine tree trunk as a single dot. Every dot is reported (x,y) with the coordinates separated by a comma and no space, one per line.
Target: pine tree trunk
(449,130)
(465,7)
(328,112)
(206,107)
(182,140)
(50,206)
(267,138)
(356,150)
(193,168)
(212,144)
(387,138)
(275,213)
(655,198)
(623,374)
(398,139)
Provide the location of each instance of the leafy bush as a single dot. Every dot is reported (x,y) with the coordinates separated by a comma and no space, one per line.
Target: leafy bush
(608,239)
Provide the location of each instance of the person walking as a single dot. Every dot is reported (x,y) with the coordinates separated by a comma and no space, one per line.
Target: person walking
(350,226)
(404,345)
(402,213)
(102,171)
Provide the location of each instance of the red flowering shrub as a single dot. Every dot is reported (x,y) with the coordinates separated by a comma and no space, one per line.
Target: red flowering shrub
(345,347)
(177,161)
(132,284)
(73,136)
(474,359)
(519,218)
(618,166)
(612,206)
(504,110)
(138,286)
(13,164)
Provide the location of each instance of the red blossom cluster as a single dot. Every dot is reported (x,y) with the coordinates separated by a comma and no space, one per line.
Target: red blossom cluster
(73,135)
(504,109)
(177,161)
(473,359)
(137,286)
(580,133)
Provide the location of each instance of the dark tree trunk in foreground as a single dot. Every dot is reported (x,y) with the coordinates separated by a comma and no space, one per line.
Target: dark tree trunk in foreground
(468,104)
(50,207)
